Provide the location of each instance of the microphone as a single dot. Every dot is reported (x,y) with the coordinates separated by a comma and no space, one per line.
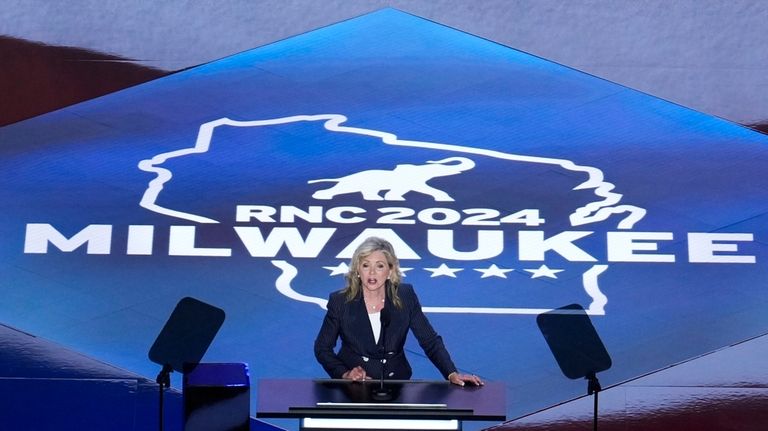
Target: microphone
(382,393)
(385,318)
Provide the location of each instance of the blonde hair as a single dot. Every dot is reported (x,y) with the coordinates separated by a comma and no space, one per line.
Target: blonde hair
(369,246)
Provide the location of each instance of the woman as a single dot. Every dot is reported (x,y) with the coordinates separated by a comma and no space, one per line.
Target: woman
(372,340)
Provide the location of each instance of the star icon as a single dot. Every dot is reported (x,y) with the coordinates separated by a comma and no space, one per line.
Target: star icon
(341,268)
(404,270)
(493,271)
(544,271)
(443,270)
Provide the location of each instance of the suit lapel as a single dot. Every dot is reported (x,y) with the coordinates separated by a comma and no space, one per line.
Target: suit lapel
(398,325)
(361,325)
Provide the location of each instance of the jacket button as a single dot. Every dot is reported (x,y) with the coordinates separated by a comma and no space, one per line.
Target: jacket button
(365,359)
(391,374)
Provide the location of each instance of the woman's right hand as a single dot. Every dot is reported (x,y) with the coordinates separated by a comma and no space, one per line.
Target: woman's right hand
(357,374)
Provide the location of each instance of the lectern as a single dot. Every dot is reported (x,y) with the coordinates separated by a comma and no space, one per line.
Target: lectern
(346,405)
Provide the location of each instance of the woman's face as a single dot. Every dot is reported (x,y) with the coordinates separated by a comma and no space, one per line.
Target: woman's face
(374,271)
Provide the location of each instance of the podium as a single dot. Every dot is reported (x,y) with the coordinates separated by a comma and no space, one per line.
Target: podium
(347,405)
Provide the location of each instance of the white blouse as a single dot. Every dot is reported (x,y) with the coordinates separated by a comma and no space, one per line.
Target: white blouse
(375,319)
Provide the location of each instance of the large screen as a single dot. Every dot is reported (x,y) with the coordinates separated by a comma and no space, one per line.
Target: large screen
(509,186)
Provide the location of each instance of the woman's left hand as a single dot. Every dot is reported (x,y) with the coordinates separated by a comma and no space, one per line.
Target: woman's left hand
(464,379)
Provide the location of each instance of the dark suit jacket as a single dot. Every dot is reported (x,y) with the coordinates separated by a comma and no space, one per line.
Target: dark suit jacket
(349,320)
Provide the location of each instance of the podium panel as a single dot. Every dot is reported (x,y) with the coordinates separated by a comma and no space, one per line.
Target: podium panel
(346,405)
(379,424)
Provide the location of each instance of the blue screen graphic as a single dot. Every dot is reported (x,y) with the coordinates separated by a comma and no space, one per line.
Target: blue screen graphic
(509,186)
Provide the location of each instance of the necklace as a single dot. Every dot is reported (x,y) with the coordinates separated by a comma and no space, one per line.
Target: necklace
(375,306)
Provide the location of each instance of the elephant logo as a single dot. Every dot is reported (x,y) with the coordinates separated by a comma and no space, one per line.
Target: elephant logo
(397,182)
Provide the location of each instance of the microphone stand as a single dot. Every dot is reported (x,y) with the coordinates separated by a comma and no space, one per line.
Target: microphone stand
(382,393)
